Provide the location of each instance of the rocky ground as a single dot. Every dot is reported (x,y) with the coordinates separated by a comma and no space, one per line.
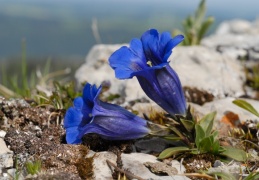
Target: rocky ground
(212,76)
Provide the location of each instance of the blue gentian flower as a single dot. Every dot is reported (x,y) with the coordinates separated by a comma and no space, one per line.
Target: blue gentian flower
(110,121)
(147,59)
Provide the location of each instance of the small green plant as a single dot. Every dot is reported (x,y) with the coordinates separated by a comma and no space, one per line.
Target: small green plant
(61,98)
(199,138)
(252,77)
(33,167)
(195,27)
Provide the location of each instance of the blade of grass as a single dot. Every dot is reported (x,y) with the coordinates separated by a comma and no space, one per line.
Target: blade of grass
(24,66)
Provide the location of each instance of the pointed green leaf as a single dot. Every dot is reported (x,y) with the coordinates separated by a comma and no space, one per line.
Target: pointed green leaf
(200,134)
(177,132)
(207,123)
(172,151)
(215,147)
(215,134)
(172,138)
(245,105)
(234,153)
(199,14)
(188,124)
(204,28)
(252,176)
(205,145)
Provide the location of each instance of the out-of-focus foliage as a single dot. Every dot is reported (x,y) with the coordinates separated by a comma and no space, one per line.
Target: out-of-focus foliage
(252,77)
(196,26)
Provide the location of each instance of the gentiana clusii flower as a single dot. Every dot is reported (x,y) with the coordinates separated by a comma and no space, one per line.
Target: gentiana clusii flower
(147,59)
(110,121)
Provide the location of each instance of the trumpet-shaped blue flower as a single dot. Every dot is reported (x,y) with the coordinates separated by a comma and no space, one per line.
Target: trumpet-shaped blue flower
(110,121)
(147,59)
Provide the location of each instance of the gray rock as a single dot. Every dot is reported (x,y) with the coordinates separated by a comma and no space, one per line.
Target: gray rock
(233,168)
(2,133)
(208,70)
(222,106)
(133,162)
(238,26)
(236,38)
(6,156)
(6,160)
(152,145)
(235,26)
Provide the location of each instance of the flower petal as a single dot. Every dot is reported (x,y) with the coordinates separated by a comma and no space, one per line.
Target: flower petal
(113,110)
(89,93)
(121,125)
(73,117)
(113,132)
(127,60)
(78,103)
(170,45)
(150,41)
(72,135)
(171,88)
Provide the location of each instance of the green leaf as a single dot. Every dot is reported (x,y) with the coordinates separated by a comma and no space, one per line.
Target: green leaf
(205,144)
(215,147)
(188,124)
(245,105)
(215,134)
(172,138)
(172,151)
(234,153)
(252,176)
(177,132)
(200,134)
(199,14)
(204,28)
(207,123)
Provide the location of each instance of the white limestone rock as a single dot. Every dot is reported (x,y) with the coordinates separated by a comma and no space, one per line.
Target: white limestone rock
(238,26)
(208,70)
(222,106)
(236,38)
(133,162)
(6,156)
(234,26)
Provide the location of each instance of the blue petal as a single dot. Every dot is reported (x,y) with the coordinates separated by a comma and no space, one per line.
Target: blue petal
(73,117)
(164,87)
(150,41)
(165,37)
(127,60)
(120,125)
(89,93)
(171,88)
(113,110)
(78,103)
(72,135)
(113,133)
(170,45)
(151,88)
(95,128)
